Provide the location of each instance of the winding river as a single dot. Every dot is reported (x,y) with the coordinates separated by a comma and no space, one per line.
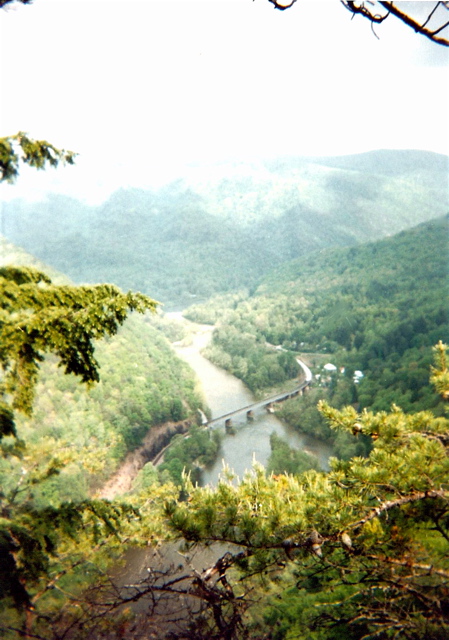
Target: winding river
(251,440)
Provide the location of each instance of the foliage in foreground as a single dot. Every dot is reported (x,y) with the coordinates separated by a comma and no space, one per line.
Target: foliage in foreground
(89,431)
(36,318)
(358,552)
(36,153)
(361,550)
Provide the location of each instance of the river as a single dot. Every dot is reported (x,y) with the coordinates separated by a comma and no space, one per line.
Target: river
(224,393)
(251,441)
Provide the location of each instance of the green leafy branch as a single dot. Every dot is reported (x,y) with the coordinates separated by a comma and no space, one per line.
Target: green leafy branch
(36,153)
(38,317)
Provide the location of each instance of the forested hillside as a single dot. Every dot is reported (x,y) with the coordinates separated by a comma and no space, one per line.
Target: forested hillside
(142,384)
(355,552)
(223,228)
(377,308)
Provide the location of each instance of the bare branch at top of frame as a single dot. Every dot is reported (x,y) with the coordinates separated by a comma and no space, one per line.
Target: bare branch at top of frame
(368,11)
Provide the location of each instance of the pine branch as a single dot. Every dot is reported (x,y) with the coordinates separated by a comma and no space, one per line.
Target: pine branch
(429,569)
(392,504)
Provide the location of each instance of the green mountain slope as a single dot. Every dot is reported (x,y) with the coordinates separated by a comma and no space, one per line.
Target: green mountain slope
(142,384)
(224,227)
(378,308)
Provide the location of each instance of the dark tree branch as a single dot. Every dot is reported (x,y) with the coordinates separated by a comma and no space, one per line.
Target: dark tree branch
(439,528)
(355,8)
(428,569)
(282,6)
(20,632)
(429,17)
(391,8)
(391,504)
(419,28)
(440,29)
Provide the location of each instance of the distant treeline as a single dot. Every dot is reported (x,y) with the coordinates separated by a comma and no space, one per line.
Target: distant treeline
(193,239)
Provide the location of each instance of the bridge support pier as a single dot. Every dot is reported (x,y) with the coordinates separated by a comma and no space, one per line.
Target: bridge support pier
(249,415)
(269,407)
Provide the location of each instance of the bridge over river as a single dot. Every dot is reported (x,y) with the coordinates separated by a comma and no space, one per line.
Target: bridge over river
(249,409)
(267,403)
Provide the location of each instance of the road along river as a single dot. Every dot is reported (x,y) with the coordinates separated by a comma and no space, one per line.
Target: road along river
(225,393)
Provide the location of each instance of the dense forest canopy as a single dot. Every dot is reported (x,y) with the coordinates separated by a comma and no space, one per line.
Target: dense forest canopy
(172,243)
(377,308)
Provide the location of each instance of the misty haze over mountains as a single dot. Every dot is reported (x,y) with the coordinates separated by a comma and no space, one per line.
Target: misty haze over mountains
(222,228)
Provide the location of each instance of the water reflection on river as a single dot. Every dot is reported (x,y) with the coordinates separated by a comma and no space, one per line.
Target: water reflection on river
(251,441)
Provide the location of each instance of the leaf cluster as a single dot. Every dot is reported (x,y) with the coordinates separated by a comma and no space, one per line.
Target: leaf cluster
(29,542)
(37,317)
(36,153)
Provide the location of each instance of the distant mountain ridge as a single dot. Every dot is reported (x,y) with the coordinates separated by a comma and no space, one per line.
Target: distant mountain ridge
(224,227)
(389,162)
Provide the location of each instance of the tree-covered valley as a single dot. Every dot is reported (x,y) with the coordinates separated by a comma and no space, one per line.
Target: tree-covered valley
(377,307)
(290,551)
(222,228)
(142,384)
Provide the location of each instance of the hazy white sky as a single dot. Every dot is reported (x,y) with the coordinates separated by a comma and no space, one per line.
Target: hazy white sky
(139,88)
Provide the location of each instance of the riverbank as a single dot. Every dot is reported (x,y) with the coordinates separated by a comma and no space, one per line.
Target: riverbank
(155,441)
(223,394)
(159,436)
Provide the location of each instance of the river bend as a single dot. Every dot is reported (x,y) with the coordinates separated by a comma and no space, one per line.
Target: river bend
(224,393)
